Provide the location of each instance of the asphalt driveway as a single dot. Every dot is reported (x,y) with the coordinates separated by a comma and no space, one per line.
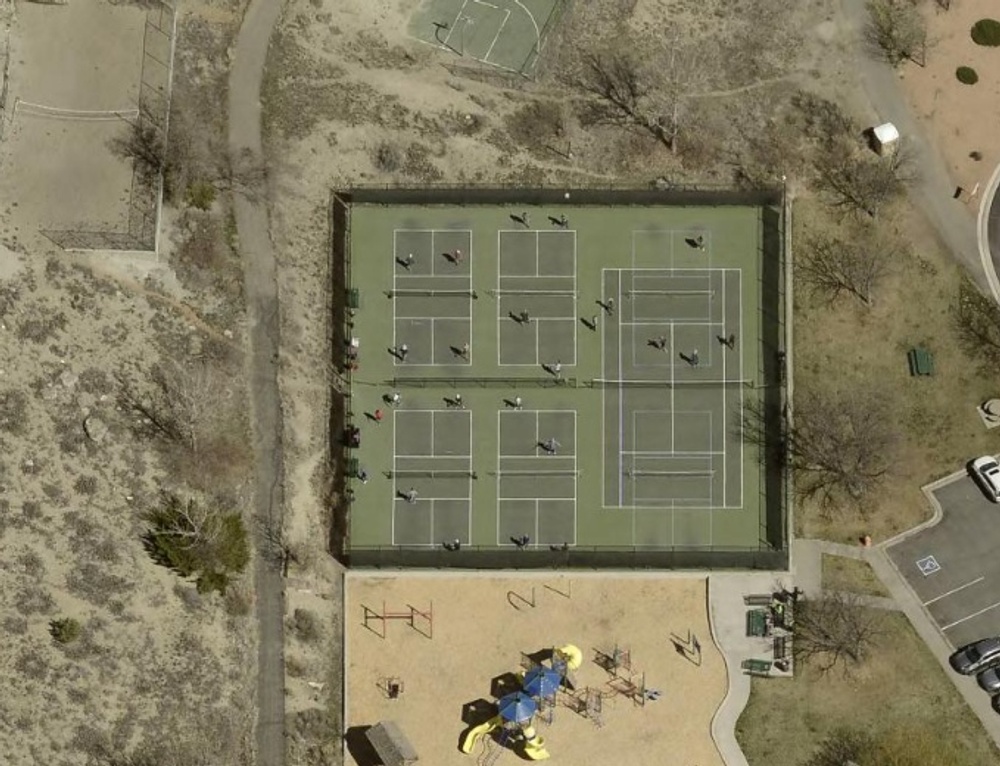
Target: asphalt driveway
(954,566)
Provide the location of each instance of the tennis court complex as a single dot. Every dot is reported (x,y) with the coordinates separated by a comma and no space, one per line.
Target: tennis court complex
(560,382)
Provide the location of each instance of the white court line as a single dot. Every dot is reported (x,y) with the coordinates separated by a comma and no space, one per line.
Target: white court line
(621,400)
(537,339)
(439,277)
(499,414)
(576,330)
(725,409)
(499,359)
(537,248)
(969,617)
(604,408)
(430,532)
(576,473)
(666,321)
(657,453)
(954,590)
(673,410)
(486,57)
(472,350)
(503,292)
(451,27)
(434,360)
(739,282)
(392,483)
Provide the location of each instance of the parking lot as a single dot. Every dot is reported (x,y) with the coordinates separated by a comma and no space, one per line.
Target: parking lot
(954,566)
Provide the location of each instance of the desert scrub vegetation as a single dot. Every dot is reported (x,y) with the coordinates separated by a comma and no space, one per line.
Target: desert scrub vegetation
(206,543)
(65,630)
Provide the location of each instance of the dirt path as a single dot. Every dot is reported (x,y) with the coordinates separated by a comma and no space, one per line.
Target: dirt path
(262,304)
(933,189)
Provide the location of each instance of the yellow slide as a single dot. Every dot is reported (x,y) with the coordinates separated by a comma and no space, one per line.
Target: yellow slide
(534,746)
(473,735)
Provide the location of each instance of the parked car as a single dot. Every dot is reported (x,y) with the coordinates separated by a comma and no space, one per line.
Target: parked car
(976,656)
(989,680)
(986,471)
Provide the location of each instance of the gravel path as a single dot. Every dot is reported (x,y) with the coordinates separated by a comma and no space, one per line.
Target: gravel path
(262,308)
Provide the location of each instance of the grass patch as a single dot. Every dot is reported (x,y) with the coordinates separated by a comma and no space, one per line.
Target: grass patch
(966,75)
(902,681)
(986,32)
(852,575)
(849,345)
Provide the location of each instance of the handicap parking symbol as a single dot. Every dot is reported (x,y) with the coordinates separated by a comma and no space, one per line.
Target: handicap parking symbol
(928,565)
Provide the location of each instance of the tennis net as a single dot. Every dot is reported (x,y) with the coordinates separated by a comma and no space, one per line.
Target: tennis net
(629,473)
(408,292)
(548,381)
(541,293)
(418,474)
(614,383)
(632,293)
(549,474)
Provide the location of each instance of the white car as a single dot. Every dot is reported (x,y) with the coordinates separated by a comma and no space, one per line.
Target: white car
(986,472)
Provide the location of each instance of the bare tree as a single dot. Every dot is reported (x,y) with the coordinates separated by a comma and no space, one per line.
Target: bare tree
(851,264)
(864,182)
(836,630)
(142,143)
(647,95)
(193,413)
(840,443)
(898,30)
(977,323)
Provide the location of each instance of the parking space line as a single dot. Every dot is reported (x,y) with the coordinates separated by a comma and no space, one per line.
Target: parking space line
(954,590)
(969,617)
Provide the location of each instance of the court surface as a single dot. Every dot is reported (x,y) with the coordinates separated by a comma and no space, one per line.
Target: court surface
(506,34)
(555,379)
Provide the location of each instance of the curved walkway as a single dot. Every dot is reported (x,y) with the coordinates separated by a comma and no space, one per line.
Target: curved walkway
(260,280)
(934,189)
(989,233)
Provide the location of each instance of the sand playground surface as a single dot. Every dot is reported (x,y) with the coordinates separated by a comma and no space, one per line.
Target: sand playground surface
(479,635)
(959,119)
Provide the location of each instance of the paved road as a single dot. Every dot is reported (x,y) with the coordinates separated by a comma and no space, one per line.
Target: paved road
(933,192)
(259,273)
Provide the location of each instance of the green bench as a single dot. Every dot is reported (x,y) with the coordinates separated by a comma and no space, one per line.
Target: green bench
(756,667)
(353,298)
(757,622)
(920,360)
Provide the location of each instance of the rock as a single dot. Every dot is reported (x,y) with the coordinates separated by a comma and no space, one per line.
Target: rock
(95,428)
(68,379)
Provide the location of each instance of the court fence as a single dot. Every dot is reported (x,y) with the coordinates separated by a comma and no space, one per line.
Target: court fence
(703,195)
(474,557)
(145,198)
(773,374)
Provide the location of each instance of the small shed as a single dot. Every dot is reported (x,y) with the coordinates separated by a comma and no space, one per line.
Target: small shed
(884,138)
(392,746)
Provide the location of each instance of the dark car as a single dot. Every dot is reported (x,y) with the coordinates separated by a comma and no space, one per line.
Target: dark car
(976,656)
(989,680)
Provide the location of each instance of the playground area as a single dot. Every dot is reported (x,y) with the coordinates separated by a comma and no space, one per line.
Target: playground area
(649,677)
(550,380)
